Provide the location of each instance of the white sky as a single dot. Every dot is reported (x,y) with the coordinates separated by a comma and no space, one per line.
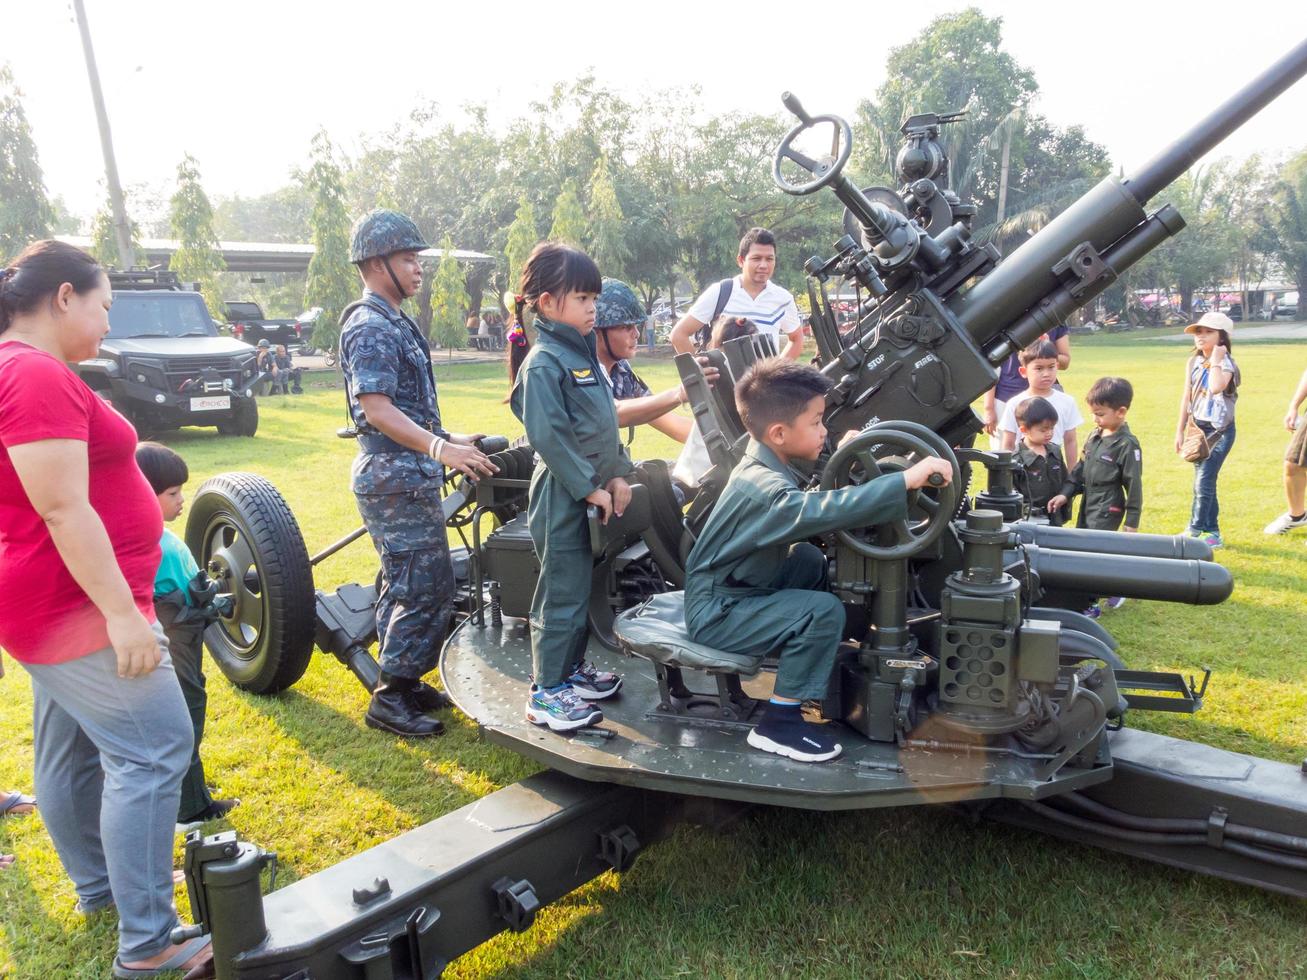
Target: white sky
(243,85)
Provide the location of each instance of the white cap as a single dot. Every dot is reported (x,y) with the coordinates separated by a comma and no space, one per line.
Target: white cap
(1213,321)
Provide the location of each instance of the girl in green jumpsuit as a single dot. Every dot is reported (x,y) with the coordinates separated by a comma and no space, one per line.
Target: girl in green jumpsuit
(560,395)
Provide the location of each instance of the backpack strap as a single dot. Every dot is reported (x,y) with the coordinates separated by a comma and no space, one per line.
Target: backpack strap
(704,334)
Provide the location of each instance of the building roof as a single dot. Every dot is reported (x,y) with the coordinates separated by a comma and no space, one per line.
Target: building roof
(256,256)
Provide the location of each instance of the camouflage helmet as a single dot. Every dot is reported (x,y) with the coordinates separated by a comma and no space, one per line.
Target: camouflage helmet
(617,306)
(383,232)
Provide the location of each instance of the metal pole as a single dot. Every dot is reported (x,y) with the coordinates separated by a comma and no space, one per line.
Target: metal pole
(122,230)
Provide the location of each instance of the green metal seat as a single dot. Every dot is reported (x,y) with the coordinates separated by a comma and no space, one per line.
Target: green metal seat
(655,630)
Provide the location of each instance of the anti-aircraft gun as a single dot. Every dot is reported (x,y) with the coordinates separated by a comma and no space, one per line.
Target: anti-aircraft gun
(972,681)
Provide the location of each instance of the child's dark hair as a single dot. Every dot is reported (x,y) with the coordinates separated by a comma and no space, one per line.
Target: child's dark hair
(777,390)
(162,467)
(519,344)
(1040,350)
(729,327)
(1111,392)
(38,272)
(756,236)
(556,269)
(1035,411)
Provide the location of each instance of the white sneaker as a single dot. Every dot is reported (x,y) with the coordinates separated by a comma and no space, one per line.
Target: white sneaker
(1285,523)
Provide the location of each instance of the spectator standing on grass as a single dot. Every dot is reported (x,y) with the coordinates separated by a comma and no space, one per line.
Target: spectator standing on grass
(1010,382)
(1211,387)
(397,475)
(1295,465)
(79,546)
(751,295)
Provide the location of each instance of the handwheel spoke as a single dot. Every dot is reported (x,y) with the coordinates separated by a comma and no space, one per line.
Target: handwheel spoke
(902,531)
(802,159)
(929,504)
(869,463)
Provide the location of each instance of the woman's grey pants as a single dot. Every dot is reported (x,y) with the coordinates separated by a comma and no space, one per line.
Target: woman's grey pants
(110,756)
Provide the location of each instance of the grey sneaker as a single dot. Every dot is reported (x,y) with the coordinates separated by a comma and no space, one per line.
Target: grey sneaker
(1286,522)
(591,683)
(560,709)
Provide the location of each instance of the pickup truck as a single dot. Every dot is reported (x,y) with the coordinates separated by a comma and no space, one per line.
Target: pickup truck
(164,364)
(247,323)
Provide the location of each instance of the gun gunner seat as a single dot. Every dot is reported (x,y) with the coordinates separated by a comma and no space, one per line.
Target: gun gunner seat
(655,630)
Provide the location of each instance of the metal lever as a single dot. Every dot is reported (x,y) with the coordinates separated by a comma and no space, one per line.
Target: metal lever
(791,102)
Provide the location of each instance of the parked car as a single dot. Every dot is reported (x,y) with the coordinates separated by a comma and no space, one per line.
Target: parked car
(247,323)
(165,365)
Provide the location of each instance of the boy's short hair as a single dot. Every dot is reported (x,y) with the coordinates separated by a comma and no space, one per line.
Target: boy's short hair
(1034,411)
(162,467)
(777,389)
(1040,350)
(1112,392)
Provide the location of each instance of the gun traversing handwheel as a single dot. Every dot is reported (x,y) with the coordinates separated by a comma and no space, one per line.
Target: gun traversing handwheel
(824,170)
(879,451)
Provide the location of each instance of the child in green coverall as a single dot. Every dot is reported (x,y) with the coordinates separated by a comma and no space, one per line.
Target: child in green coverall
(1110,474)
(167,473)
(560,395)
(753,583)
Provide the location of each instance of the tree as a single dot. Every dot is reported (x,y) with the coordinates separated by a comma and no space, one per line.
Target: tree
(957,62)
(1201,255)
(608,231)
(569,219)
(25,211)
(1287,220)
(448,301)
(522,237)
(331,280)
(104,238)
(190,218)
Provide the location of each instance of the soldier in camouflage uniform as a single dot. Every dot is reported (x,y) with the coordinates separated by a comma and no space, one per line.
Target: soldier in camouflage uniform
(619,317)
(398,473)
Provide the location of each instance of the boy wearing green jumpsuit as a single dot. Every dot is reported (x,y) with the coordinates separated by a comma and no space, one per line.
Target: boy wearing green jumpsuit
(1110,474)
(561,397)
(753,584)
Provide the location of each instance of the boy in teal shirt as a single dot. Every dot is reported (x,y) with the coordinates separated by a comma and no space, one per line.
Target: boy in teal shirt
(753,583)
(184,608)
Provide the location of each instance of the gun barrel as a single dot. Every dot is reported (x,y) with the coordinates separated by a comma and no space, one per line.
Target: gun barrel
(1169,546)
(1173,161)
(1198,583)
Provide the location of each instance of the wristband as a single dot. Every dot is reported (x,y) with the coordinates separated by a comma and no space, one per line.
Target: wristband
(433,450)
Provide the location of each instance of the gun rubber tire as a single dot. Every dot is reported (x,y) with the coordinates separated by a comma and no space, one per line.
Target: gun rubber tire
(241,530)
(244,419)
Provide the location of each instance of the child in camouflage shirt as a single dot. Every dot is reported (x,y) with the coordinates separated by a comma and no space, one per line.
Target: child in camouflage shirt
(1110,473)
(1043,471)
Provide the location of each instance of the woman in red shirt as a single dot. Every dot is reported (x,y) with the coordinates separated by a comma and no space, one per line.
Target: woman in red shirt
(79,546)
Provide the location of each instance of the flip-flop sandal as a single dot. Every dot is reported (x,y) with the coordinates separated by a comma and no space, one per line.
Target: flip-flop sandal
(15,799)
(175,962)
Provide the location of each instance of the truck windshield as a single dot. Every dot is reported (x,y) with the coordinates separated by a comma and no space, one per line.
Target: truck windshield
(159,315)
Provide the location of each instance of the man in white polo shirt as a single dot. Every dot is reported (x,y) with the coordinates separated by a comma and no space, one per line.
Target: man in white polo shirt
(752,295)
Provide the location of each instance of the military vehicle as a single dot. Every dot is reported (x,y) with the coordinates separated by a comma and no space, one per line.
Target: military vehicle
(977,684)
(164,364)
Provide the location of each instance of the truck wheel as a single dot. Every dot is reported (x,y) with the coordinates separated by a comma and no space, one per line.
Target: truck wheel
(243,533)
(244,419)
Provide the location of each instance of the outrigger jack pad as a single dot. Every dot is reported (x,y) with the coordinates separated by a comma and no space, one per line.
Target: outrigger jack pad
(486,670)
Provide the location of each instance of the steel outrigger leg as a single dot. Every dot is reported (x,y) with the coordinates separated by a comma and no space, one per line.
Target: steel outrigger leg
(404,909)
(1188,805)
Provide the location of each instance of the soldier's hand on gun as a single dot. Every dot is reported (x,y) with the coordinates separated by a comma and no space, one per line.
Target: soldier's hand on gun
(917,475)
(710,373)
(603,500)
(460,452)
(620,491)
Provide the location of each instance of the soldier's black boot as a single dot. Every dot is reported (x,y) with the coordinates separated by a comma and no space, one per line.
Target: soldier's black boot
(430,699)
(394,709)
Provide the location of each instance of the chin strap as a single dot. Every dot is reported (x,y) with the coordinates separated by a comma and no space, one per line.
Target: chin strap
(607,346)
(385,260)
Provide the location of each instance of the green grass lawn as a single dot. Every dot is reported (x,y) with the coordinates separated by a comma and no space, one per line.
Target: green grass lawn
(898,893)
